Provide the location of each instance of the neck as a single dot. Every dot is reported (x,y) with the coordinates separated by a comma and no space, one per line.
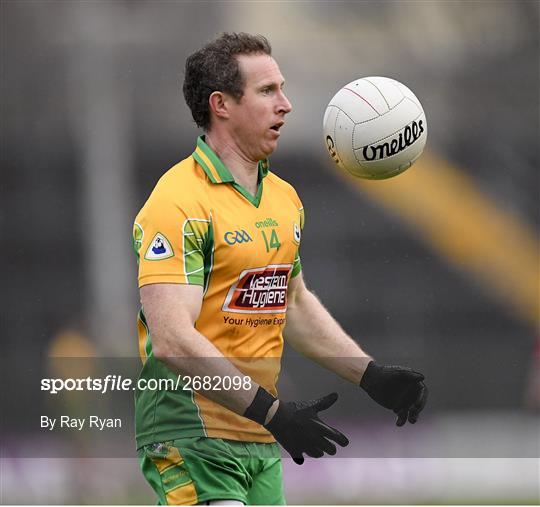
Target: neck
(244,170)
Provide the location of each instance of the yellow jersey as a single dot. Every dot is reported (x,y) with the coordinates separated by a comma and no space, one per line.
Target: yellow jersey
(201,227)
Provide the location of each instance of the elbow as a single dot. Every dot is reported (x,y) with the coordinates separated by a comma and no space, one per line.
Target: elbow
(168,345)
(163,346)
(160,350)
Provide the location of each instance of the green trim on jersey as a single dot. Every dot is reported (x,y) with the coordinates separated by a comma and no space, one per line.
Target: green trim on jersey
(137,239)
(224,174)
(195,233)
(297,266)
(253,199)
(202,163)
(221,174)
(208,255)
(148,342)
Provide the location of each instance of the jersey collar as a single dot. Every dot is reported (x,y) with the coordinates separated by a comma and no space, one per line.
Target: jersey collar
(215,169)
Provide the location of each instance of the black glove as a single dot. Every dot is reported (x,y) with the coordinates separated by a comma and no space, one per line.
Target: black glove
(399,389)
(296,425)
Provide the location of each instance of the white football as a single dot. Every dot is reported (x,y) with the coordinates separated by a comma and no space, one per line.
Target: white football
(375,128)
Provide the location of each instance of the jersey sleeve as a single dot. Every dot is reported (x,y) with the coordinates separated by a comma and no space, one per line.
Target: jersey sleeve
(297,266)
(171,242)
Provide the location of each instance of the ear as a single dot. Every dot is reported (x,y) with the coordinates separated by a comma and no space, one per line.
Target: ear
(218,103)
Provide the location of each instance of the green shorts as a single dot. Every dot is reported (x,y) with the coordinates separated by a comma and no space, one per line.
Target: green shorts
(189,471)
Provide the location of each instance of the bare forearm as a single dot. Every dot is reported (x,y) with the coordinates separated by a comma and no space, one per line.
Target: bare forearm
(190,354)
(197,357)
(313,332)
(184,350)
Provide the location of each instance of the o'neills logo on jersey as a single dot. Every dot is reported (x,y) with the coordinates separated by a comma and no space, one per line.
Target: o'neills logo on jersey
(259,290)
(410,135)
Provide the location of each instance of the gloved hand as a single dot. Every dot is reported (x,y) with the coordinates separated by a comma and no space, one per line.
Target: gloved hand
(396,388)
(297,427)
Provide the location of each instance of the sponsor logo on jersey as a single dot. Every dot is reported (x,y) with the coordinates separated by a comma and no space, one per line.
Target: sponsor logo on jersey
(159,248)
(138,235)
(259,290)
(297,234)
(237,237)
(268,222)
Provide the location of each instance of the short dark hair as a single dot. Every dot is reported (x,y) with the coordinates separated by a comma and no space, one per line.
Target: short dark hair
(215,68)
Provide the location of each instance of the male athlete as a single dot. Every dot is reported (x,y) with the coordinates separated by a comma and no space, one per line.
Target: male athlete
(219,271)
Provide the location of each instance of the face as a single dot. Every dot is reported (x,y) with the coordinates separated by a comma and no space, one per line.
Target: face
(255,121)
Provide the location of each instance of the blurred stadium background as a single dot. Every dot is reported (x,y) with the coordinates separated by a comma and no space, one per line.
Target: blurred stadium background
(437,268)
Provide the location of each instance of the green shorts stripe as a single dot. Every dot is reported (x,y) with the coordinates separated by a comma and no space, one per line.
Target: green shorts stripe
(188,471)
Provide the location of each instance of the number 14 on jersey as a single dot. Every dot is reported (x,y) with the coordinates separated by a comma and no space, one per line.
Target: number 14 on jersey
(273,242)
